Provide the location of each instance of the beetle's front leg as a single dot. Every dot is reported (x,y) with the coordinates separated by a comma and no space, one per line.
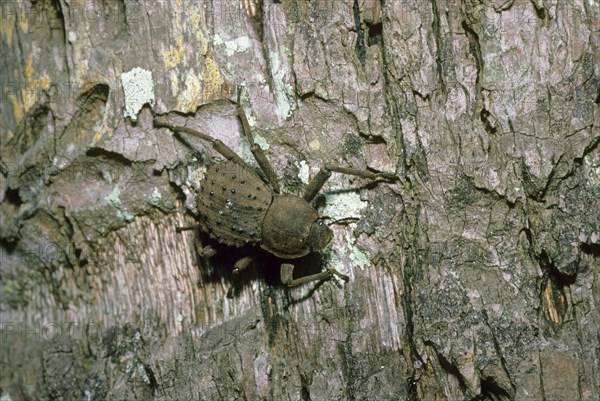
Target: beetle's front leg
(287,275)
(317,182)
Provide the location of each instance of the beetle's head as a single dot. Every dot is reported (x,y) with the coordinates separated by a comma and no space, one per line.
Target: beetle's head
(319,236)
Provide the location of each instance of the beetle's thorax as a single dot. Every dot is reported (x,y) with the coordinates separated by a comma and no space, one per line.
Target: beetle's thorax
(286,226)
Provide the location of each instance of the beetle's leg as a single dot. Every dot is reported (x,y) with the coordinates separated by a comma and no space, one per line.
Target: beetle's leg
(239,266)
(256,150)
(179,229)
(217,144)
(208,251)
(287,275)
(242,264)
(317,182)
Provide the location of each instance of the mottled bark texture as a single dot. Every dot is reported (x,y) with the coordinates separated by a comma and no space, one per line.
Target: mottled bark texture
(474,277)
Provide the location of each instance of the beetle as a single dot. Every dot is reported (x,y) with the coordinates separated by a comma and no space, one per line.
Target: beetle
(242,206)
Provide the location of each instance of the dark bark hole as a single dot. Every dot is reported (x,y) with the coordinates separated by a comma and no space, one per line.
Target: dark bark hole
(541,13)
(591,249)
(484,116)
(375,34)
(108,155)
(97,94)
(360,34)
(452,370)
(7,247)
(12,196)
(560,280)
(490,390)
(307,95)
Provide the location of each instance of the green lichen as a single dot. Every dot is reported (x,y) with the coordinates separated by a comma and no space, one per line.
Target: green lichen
(113,199)
(358,257)
(156,196)
(237,45)
(281,89)
(349,249)
(13,292)
(303,171)
(125,215)
(343,205)
(138,88)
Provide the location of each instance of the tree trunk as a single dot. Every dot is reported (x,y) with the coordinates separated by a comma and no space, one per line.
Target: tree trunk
(473,276)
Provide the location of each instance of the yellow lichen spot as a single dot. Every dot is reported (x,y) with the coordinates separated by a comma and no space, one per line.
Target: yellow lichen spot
(28,67)
(195,19)
(191,96)
(173,55)
(203,45)
(315,145)
(6,26)
(29,95)
(16,106)
(100,132)
(44,82)
(196,22)
(97,136)
(82,68)
(23,23)
(213,80)
(174,82)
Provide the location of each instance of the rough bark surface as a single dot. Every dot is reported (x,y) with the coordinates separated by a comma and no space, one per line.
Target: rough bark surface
(475,276)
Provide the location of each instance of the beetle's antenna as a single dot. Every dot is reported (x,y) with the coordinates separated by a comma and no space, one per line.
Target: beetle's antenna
(328,220)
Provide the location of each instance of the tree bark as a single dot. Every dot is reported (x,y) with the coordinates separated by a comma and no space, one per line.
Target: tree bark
(474,276)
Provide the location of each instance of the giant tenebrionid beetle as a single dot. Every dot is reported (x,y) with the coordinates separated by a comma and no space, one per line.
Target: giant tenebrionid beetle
(239,207)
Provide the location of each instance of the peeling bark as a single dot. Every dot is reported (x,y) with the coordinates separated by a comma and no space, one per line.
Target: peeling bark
(475,276)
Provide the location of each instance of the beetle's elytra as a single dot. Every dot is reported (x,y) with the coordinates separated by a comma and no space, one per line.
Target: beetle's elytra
(238,207)
(233,201)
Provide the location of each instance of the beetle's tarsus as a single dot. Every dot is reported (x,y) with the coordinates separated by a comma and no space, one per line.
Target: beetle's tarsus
(241,265)
(208,251)
(334,272)
(179,229)
(287,270)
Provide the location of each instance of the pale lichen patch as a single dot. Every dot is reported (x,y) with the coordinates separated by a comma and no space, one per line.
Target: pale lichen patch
(138,88)
(343,205)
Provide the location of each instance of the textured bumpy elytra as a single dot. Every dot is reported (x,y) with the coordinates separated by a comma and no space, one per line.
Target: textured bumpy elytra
(233,201)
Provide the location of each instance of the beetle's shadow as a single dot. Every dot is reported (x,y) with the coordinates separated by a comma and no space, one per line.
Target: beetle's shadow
(265,266)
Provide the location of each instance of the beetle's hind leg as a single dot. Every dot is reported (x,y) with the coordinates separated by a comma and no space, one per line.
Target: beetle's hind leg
(287,275)
(207,251)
